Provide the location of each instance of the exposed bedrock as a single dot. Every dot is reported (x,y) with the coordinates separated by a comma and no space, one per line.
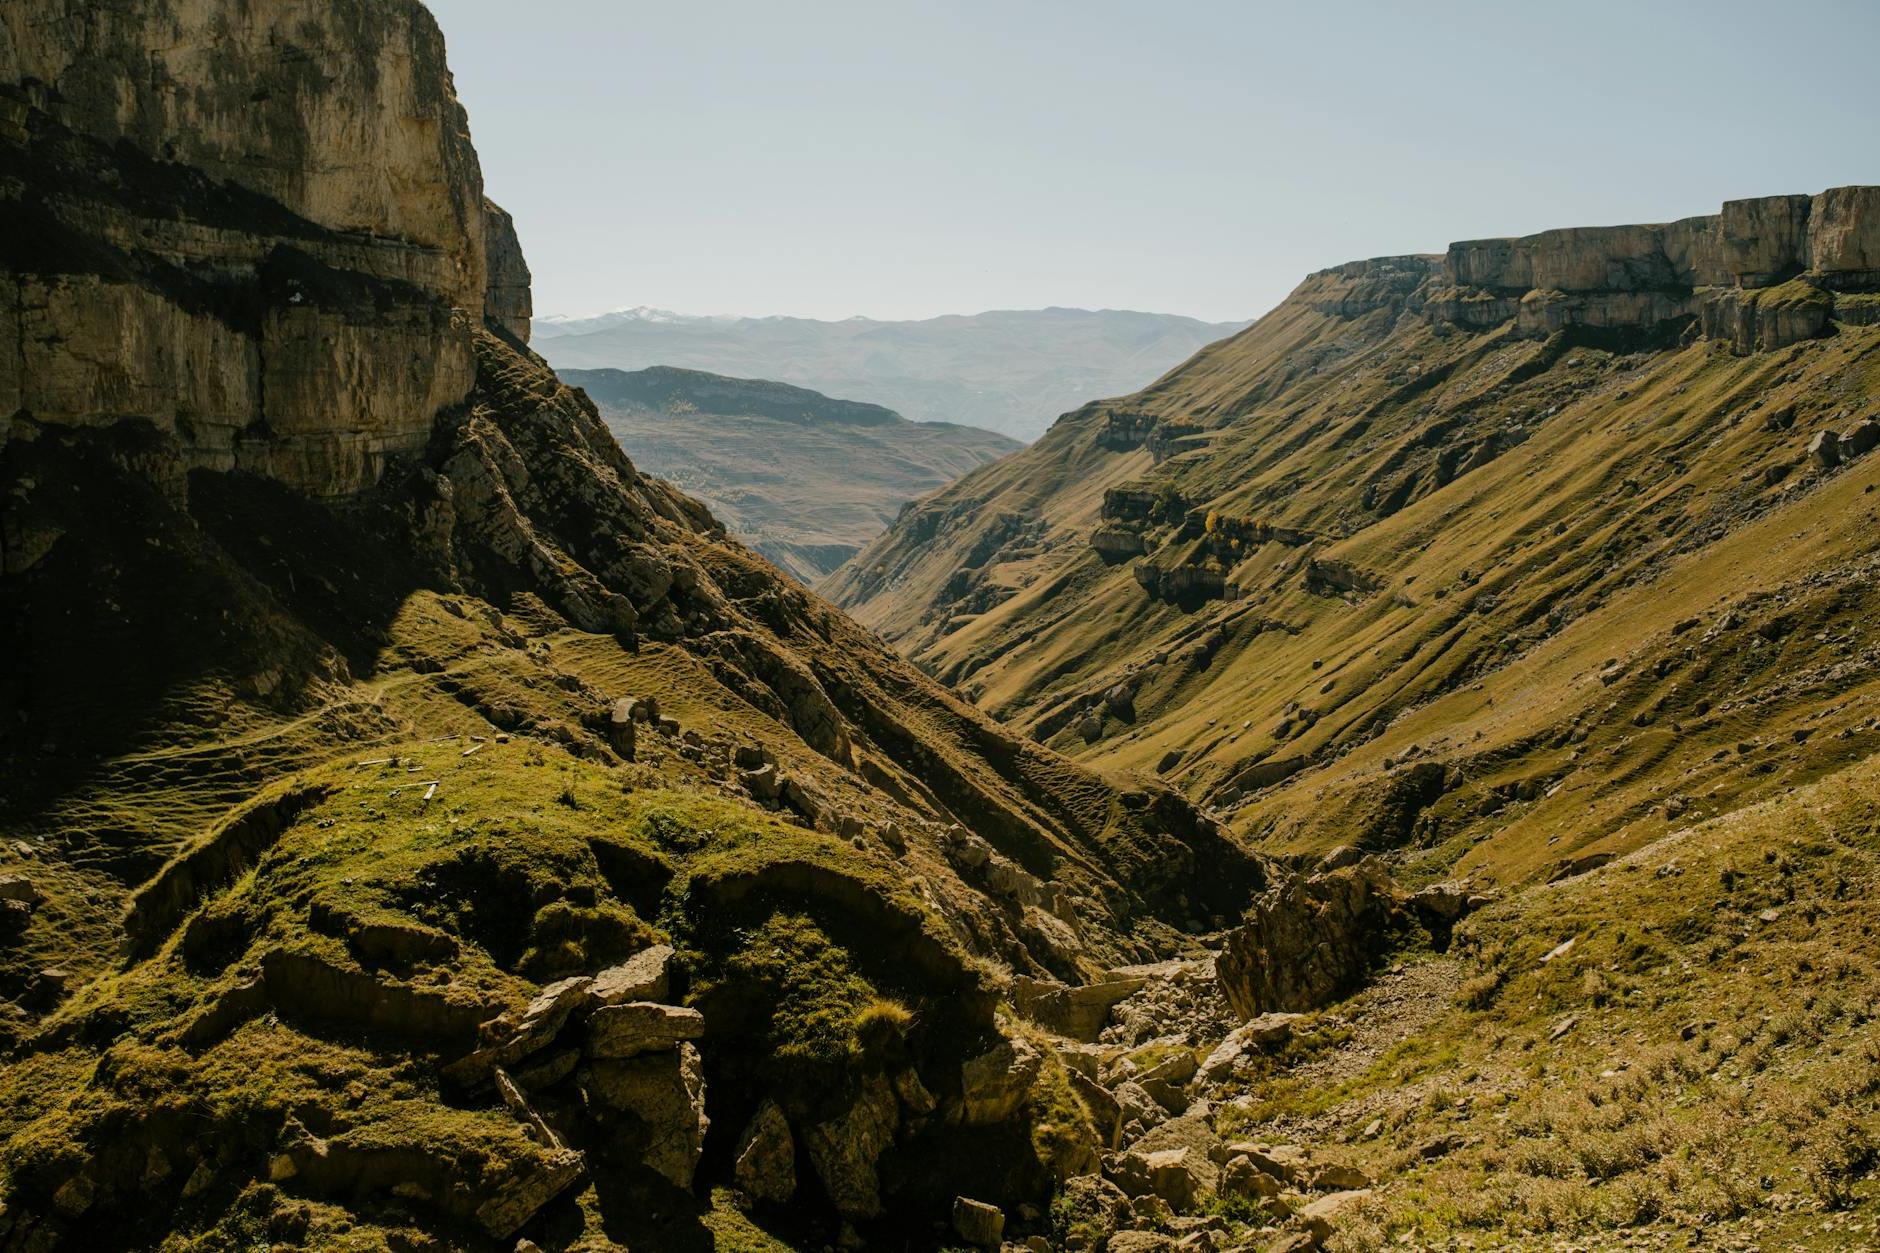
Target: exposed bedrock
(1760,274)
(278,253)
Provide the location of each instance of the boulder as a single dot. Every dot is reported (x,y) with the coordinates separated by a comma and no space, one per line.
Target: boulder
(1284,1161)
(620,729)
(1194,1133)
(1165,1081)
(1860,440)
(765,1165)
(977,1223)
(1340,857)
(18,887)
(620,1031)
(1321,1217)
(551,1008)
(517,1194)
(1140,1242)
(1166,1173)
(643,977)
(1307,941)
(762,783)
(1077,1011)
(1825,450)
(1268,1031)
(1241,1178)
(1169,1096)
(1007,878)
(1177,1068)
(844,1150)
(1121,701)
(1138,1105)
(1092,1209)
(1085,1058)
(994,1084)
(1441,902)
(1335,1177)
(664,1095)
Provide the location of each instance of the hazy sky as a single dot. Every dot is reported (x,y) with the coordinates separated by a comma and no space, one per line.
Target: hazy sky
(828,157)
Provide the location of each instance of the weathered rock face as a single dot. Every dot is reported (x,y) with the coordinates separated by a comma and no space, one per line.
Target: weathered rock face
(1844,236)
(766,1157)
(1711,273)
(663,1096)
(509,299)
(1659,279)
(260,227)
(1308,940)
(844,1149)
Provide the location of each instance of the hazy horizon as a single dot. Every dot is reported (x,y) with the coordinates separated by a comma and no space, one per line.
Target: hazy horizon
(589,315)
(900,163)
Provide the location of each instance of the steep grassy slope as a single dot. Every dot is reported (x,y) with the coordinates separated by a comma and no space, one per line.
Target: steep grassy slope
(286,877)
(1006,370)
(803,479)
(1490,577)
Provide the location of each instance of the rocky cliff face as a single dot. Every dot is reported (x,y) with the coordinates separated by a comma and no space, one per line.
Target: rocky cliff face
(1664,279)
(260,227)
(1758,276)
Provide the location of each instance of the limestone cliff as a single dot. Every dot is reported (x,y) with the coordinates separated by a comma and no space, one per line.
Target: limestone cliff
(1702,272)
(260,227)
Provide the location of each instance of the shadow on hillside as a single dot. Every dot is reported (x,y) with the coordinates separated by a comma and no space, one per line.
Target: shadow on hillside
(141,603)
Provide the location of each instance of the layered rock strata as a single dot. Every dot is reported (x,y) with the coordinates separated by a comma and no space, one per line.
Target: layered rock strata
(260,228)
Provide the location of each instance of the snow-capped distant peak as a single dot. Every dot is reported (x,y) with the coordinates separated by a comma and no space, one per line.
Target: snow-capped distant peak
(571,324)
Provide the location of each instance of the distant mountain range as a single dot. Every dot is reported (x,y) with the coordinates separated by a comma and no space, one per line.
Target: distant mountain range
(1007,371)
(805,479)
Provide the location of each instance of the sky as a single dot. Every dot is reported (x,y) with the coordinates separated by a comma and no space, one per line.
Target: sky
(904,158)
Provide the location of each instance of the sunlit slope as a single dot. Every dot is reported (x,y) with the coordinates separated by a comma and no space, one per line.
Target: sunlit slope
(1357,574)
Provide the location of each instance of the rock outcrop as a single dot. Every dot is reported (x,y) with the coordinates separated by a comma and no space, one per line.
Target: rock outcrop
(1308,940)
(1708,271)
(1759,275)
(279,258)
(766,1157)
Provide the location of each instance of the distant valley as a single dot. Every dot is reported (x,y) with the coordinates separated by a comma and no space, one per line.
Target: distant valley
(1008,371)
(805,479)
